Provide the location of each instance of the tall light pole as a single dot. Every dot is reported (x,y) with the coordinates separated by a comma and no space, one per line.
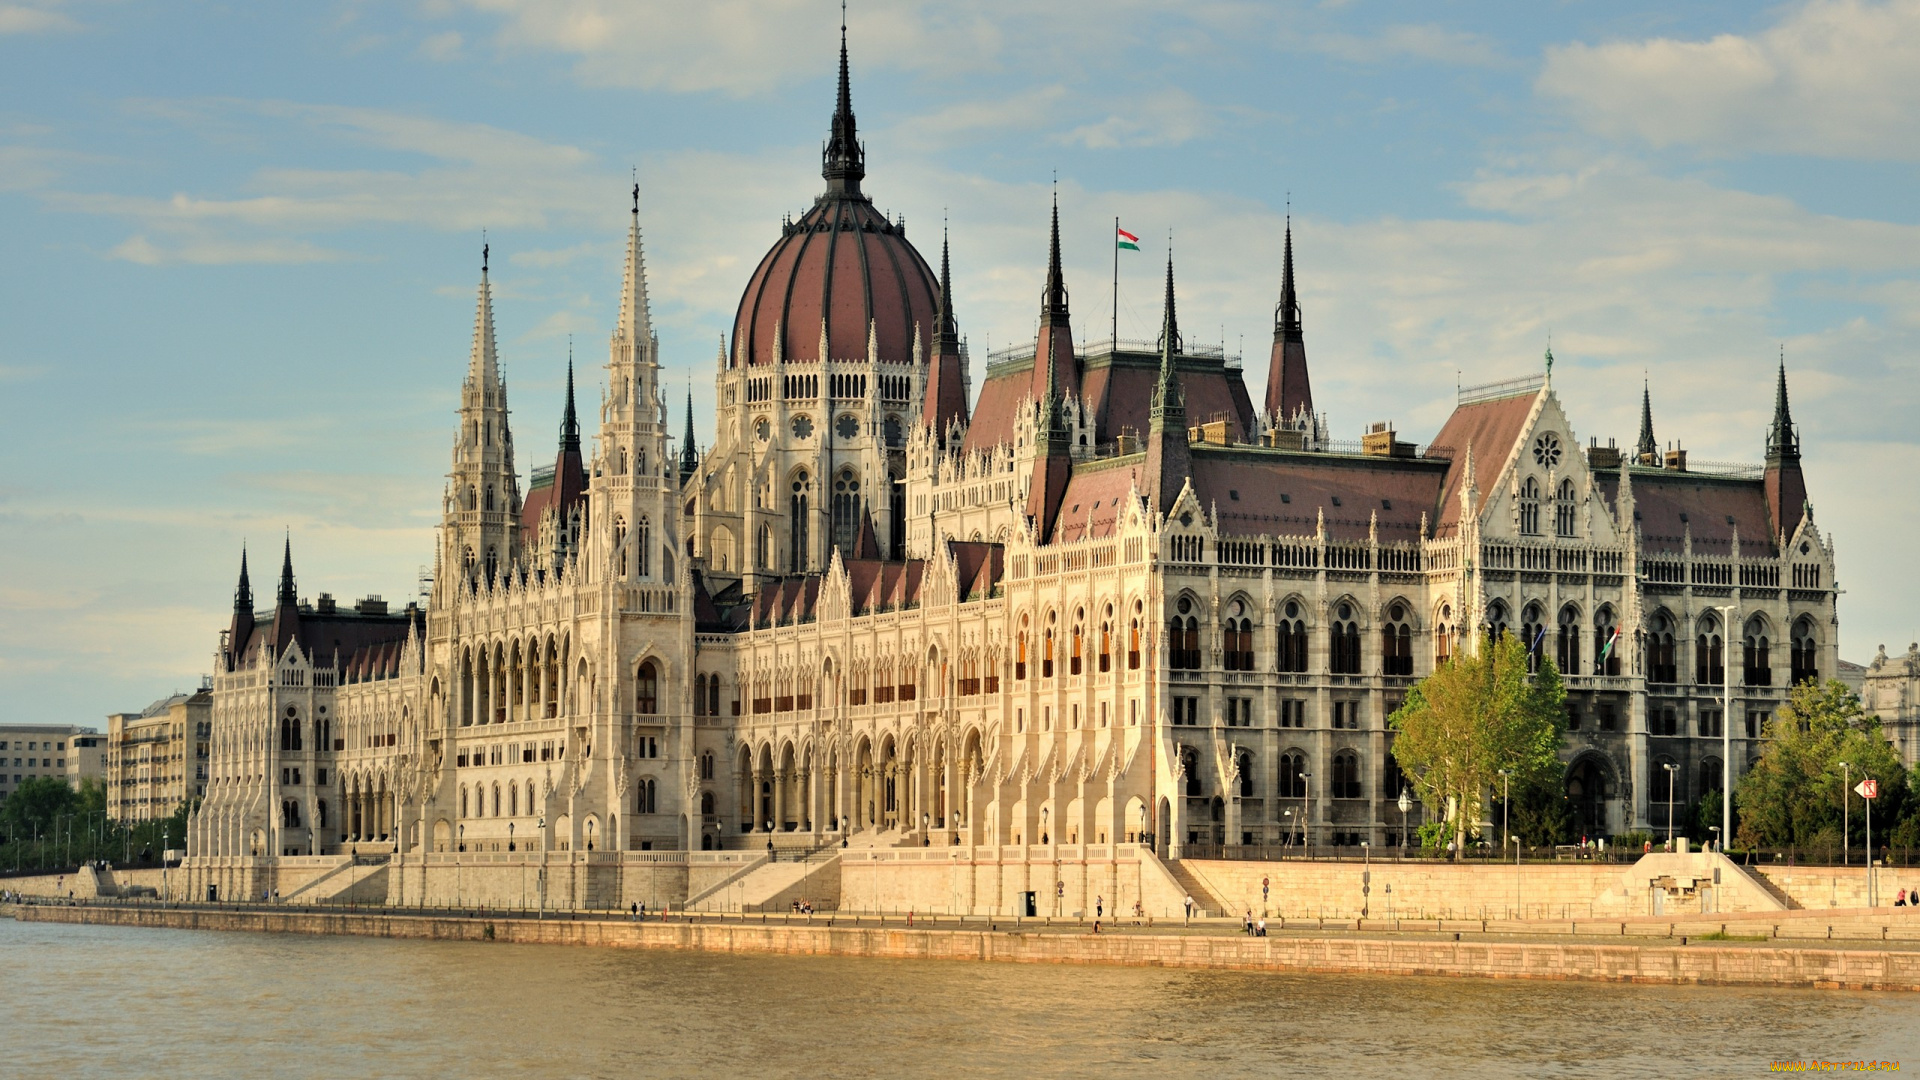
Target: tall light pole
(1306,788)
(1406,806)
(1846,809)
(1671,768)
(1726,722)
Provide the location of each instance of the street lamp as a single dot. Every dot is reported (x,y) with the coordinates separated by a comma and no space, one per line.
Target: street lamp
(1671,770)
(1726,722)
(1044,834)
(1846,809)
(926,822)
(1366,876)
(1406,806)
(1506,802)
(458,848)
(1305,829)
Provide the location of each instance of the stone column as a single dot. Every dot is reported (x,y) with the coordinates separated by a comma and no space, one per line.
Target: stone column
(780,798)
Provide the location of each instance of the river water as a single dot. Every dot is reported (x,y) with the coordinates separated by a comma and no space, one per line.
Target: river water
(108,1001)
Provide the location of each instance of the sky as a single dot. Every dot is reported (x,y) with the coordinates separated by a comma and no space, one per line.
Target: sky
(241,243)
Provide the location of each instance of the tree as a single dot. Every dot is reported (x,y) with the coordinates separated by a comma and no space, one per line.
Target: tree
(1474,716)
(34,804)
(1792,794)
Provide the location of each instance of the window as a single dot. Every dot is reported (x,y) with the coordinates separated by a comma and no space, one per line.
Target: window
(1757,722)
(646,796)
(798,519)
(1396,642)
(846,510)
(1106,643)
(1243,764)
(1709,775)
(1346,715)
(1660,663)
(1805,666)
(1290,645)
(1293,775)
(1046,656)
(1020,651)
(1563,510)
(1293,713)
(1183,638)
(1190,767)
(1710,726)
(1239,712)
(1530,507)
(1663,720)
(646,690)
(1237,638)
(1073,660)
(1345,651)
(1443,636)
(1606,644)
(706,765)
(1756,668)
(1186,711)
(1133,639)
(646,746)
(1569,643)
(1708,655)
(1346,775)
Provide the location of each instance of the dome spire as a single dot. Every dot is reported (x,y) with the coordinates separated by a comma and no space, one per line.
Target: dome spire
(288,597)
(1054,304)
(1648,450)
(483,366)
(689,457)
(243,595)
(1782,443)
(843,162)
(570,422)
(1169,400)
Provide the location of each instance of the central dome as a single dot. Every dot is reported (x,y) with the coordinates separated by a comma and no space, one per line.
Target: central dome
(841,269)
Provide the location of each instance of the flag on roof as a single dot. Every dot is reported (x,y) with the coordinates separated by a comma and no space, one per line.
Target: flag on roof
(1126,240)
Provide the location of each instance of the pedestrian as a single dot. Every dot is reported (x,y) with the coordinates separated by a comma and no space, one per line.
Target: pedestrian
(1246,924)
(1263,926)
(1901,900)
(1189,908)
(1099,907)
(635,911)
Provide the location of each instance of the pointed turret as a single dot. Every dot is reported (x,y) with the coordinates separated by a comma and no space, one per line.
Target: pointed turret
(288,595)
(1169,458)
(483,365)
(635,324)
(1786,486)
(946,397)
(1647,452)
(240,631)
(1055,374)
(1289,390)
(286,613)
(843,162)
(689,457)
(570,420)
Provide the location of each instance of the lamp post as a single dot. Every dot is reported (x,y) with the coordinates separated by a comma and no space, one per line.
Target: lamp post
(1671,769)
(1406,807)
(1366,876)
(1306,829)
(1045,836)
(1506,802)
(1846,809)
(926,822)
(1726,722)
(458,849)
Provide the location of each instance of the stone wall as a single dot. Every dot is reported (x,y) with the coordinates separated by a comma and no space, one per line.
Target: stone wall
(1755,965)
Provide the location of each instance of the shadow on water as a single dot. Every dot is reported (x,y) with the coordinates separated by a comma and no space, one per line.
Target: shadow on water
(105,1001)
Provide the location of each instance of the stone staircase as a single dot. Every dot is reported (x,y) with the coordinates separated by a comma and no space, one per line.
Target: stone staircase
(1206,902)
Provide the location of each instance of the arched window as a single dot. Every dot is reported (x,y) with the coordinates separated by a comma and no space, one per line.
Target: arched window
(1293,775)
(1190,766)
(1106,642)
(1183,637)
(1606,643)
(493,562)
(1237,638)
(700,694)
(645,799)
(1020,651)
(1709,654)
(1290,645)
(763,549)
(1568,654)
(713,696)
(1661,667)
(643,547)
(1046,655)
(1563,509)
(489,496)
(706,804)
(1443,636)
(846,510)
(1133,641)
(1396,642)
(1243,764)
(513,799)
(1346,775)
(1530,507)
(706,765)
(1073,658)
(798,519)
(646,690)
(1344,653)
(1757,667)
(1806,665)
(463,800)
(1709,776)
(496,800)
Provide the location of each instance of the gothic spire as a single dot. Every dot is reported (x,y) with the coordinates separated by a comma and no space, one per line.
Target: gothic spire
(483,367)
(570,421)
(1286,317)
(288,597)
(1168,398)
(243,594)
(843,161)
(1648,451)
(689,457)
(636,321)
(947,333)
(1783,444)
(1053,305)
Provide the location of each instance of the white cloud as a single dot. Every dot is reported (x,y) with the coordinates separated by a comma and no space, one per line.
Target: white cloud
(1167,118)
(33,19)
(1421,42)
(213,251)
(1834,78)
(443,46)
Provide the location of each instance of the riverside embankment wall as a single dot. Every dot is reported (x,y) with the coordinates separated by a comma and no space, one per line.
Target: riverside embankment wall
(1724,965)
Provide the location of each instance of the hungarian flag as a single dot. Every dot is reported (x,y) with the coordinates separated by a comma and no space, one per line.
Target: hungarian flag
(1126,240)
(1610,643)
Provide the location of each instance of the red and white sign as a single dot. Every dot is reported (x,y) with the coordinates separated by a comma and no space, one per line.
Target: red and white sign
(1868,788)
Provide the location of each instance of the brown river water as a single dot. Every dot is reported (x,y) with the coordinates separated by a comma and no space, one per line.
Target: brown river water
(80,1001)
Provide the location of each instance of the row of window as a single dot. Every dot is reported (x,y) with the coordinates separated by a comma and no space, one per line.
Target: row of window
(34,744)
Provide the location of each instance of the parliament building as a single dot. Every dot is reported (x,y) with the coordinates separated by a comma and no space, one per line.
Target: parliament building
(1107,608)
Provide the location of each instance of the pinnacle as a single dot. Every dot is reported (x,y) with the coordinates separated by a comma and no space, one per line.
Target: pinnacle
(635,324)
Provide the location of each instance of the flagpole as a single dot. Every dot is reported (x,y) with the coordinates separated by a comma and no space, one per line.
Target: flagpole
(1116,285)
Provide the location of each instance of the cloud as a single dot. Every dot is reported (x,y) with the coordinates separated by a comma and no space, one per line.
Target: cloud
(443,46)
(216,252)
(556,256)
(1167,118)
(1834,78)
(1420,42)
(25,19)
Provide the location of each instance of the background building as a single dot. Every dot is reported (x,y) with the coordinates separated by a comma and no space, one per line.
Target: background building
(68,751)
(157,758)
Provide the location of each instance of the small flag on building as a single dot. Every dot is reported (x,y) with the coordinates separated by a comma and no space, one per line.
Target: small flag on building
(1605,652)
(1126,240)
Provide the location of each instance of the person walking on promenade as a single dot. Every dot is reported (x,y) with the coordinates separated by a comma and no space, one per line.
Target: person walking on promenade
(1246,924)
(1189,909)
(1099,907)
(635,911)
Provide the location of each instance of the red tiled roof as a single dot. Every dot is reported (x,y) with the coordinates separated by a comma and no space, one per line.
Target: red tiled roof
(1669,504)
(1281,493)
(1097,493)
(1490,428)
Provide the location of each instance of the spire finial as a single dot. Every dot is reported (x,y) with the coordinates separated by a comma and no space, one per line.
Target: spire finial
(570,421)
(1783,444)
(1168,399)
(1648,449)
(289,597)
(243,593)
(843,162)
(1054,304)
(689,457)
(1286,317)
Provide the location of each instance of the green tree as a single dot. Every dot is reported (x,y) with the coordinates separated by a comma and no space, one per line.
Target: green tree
(1471,718)
(1792,795)
(34,804)
(1540,814)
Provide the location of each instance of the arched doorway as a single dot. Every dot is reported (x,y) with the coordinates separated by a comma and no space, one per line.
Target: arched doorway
(1587,797)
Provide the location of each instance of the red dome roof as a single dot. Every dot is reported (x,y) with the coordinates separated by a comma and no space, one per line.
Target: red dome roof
(846,263)
(842,263)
